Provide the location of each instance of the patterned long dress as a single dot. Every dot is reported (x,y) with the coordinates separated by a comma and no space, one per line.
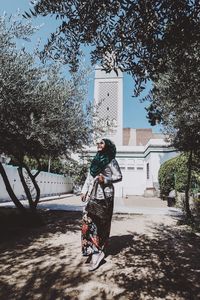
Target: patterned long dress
(95,230)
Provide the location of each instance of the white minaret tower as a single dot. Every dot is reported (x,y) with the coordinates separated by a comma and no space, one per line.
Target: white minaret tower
(108,98)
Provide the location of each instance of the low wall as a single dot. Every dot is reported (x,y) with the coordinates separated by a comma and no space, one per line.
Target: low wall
(50,184)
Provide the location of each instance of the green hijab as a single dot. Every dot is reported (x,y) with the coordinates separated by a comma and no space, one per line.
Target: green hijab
(103,158)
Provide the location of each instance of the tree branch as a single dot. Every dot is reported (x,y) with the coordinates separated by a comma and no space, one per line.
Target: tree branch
(25,186)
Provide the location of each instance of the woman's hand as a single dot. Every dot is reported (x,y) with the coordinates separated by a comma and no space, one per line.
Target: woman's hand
(101,178)
(83,197)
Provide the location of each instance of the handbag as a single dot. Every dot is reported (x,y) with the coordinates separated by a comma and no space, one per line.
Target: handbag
(96,207)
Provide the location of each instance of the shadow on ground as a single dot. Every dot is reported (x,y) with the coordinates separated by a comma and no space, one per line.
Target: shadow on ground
(165,267)
(44,263)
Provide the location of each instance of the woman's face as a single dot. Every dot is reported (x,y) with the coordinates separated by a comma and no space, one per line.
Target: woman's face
(100,145)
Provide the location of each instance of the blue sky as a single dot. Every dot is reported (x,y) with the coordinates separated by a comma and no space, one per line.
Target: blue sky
(134,112)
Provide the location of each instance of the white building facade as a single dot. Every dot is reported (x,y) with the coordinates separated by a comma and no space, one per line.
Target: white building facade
(140,166)
(140,152)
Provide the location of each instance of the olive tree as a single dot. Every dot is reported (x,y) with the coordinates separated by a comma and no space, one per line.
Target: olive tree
(134,35)
(175,101)
(41,113)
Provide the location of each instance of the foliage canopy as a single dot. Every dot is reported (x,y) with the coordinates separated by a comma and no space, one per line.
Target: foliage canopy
(175,99)
(41,113)
(136,36)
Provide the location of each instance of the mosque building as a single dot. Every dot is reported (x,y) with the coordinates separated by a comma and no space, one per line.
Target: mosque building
(140,152)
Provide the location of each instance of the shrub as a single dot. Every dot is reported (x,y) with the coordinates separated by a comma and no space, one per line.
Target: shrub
(173,175)
(181,172)
(166,177)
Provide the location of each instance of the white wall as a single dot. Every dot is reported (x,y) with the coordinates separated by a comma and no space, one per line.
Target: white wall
(133,182)
(49,183)
(133,165)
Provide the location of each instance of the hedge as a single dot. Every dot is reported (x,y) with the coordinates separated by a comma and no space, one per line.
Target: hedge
(166,177)
(173,176)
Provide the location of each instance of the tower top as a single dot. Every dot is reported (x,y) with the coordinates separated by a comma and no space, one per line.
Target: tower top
(102,74)
(108,97)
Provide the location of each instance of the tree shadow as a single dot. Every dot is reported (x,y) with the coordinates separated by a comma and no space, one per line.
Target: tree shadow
(14,225)
(44,263)
(163,267)
(35,261)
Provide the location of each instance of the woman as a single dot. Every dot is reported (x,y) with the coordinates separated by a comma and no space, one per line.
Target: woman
(104,171)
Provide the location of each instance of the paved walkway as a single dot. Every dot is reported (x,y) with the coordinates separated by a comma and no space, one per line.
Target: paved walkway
(132,205)
(144,205)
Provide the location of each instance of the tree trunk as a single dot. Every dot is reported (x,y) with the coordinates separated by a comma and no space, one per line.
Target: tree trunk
(36,186)
(37,198)
(187,188)
(10,190)
(26,188)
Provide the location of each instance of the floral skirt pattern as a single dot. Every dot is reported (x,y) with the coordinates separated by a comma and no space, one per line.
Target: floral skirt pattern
(95,231)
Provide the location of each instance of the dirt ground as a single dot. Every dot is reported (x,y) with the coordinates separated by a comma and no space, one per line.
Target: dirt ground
(149,257)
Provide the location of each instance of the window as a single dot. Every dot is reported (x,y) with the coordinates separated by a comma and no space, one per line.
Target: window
(148,171)
(131,168)
(122,168)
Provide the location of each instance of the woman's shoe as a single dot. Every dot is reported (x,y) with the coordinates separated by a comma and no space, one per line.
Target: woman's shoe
(96,259)
(88,260)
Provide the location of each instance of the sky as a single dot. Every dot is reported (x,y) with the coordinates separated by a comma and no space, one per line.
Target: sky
(134,113)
